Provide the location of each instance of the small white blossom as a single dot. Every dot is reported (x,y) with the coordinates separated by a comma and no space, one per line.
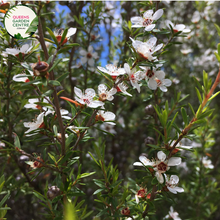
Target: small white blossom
(39,123)
(87,98)
(171,184)
(122,87)
(106,117)
(172,215)
(134,77)
(147,19)
(59,32)
(88,56)
(177,27)
(155,78)
(207,163)
(196,17)
(112,70)
(31,104)
(104,94)
(146,49)
(161,165)
(15,51)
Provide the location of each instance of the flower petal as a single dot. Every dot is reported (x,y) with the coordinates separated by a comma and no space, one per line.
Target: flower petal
(71,31)
(78,92)
(159,177)
(158,14)
(174,161)
(148,13)
(152,41)
(127,68)
(150,27)
(172,190)
(138,164)
(161,156)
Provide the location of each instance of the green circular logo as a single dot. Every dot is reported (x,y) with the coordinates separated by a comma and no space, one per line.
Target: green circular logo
(21,21)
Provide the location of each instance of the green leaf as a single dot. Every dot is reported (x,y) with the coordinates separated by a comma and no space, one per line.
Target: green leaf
(62,77)
(33,26)
(52,35)
(217,56)
(205,80)
(70,213)
(199,95)
(64,35)
(4,199)
(39,196)
(98,191)
(213,96)
(55,64)
(85,175)
(154,181)
(17,141)
(153,146)
(217,28)
(192,109)
(183,98)
(54,83)
(184,115)
(218,49)
(52,157)
(69,140)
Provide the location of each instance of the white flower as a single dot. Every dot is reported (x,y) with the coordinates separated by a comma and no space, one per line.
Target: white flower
(108,128)
(88,56)
(146,49)
(177,27)
(134,77)
(207,163)
(59,32)
(186,51)
(15,52)
(196,17)
(155,78)
(161,165)
(121,87)
(172,215)
(171,184)
(144,161)
(112,70)
(147,20)
(104,94)
(63,113)
(21,78)
(87,98)
(39,123)
(31,104)
(106,117)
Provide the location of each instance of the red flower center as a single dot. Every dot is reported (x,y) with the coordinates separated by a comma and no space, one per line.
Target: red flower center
(141,193)
(99,118)
(162,166)
(86,101)
(27,80)
(147,22)
(149,73)
(102,97)
(89,55)
(159,83)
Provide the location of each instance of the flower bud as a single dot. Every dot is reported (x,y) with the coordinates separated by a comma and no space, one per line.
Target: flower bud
(149,140)
(125,211)
(149,110)
(40,68)
(53,192)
